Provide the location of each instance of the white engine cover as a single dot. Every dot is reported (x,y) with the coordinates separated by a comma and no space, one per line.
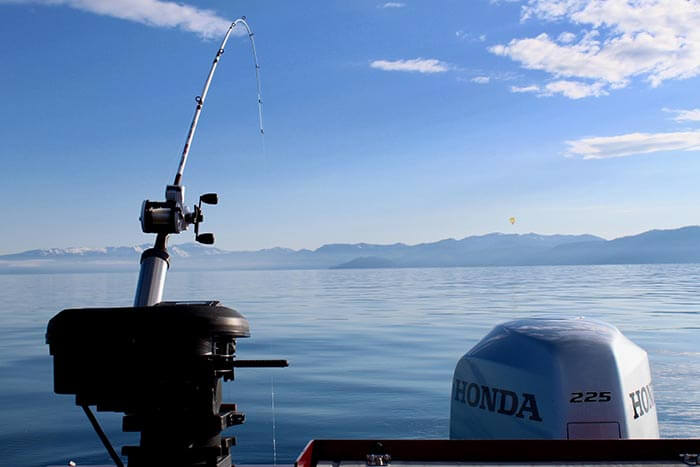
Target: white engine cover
(544,378)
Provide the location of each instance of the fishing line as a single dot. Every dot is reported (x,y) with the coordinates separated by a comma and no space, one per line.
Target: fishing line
(274,436)
(259,90)
(201,98)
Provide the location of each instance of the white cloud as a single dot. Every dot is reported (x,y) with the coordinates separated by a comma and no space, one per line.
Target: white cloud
(570,89)
(466,36)
(481,80)
(532,88)
(566,37)
(205,23)
(656,40)
(421,65)
(550,10)
(574,89)
(579,60)
(692,115)
(392,5)
(603,147)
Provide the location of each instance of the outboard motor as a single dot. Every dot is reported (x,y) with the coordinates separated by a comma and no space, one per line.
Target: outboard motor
(559,378)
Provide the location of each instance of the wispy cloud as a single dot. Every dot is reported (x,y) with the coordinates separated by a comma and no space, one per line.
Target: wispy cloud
(392,5)
(603,147)
(481,80)
(691,115)
(619,40)
(205,23)
(566,88)
(531,88)
(574,89)
(566,37)
(420,65)
(467,36)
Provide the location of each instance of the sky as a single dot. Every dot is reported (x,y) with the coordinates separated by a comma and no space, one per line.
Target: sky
(385,122)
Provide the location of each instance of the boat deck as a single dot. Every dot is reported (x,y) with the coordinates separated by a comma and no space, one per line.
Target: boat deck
(453,453)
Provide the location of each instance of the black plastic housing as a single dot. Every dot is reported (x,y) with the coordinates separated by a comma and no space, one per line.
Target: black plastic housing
(160,365)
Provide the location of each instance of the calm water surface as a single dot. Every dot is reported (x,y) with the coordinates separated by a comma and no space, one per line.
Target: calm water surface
(372,351)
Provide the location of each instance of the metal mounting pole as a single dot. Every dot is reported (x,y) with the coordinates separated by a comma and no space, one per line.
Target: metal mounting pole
(154,267)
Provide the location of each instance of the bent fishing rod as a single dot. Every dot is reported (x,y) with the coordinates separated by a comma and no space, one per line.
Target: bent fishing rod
(200,99)
(172,216)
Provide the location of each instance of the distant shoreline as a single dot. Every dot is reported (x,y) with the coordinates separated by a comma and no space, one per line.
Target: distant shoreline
(676,246)
(135,272)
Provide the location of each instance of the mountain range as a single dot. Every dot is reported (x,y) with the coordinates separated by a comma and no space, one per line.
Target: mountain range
(495,249)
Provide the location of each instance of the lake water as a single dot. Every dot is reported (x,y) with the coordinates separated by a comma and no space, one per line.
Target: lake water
(371,351)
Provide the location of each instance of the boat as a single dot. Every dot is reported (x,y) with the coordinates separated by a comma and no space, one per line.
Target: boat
(533,391)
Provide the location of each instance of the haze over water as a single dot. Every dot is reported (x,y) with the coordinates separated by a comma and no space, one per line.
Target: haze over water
(371,351)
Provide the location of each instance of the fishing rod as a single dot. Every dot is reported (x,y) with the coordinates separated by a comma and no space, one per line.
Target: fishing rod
(172,216)
(160,363)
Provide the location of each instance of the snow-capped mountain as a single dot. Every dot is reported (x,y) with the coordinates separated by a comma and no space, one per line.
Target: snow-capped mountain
(496,249)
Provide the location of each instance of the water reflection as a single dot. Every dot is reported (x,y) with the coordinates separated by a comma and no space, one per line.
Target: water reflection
(372,351)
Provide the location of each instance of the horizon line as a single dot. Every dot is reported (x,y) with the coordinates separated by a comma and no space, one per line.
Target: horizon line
(355,243)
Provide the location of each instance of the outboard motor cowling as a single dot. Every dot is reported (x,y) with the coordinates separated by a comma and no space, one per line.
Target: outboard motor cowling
(543,378)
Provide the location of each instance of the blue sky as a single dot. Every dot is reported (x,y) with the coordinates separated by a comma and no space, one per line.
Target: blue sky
(385,122)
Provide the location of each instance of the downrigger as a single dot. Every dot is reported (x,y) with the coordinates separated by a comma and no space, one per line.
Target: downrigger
(160,363)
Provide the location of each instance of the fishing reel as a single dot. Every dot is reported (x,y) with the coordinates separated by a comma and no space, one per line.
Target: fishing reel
(172,216)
